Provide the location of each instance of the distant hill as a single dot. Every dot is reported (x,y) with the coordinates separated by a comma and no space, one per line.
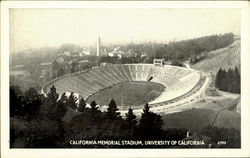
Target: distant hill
(224,58)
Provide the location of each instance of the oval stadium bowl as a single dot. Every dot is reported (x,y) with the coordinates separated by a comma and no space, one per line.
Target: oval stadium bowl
(181,86)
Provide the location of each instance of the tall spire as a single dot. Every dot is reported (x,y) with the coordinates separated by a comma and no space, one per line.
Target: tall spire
(98,46)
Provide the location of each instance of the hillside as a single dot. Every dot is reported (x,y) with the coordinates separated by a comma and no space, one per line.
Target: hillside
(196,119)
(221,111)
(224,58)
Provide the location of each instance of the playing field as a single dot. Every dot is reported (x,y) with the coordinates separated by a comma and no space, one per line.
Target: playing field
(128,93)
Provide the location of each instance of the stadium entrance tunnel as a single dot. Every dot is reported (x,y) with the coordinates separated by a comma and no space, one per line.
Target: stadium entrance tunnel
(150,78)
(126,94)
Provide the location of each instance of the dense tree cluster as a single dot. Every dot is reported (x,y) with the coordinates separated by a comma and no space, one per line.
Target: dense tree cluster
(177,63)
(46,128)
(228,80)
(184,49)
(52,121)
(175,51)
(24,105)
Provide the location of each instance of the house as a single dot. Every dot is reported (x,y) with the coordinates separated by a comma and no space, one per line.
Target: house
(19,73)
(120,54)
(19,67)
(84,52)
(66,53)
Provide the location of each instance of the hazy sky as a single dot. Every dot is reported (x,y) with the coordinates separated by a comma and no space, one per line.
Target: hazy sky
(35,28)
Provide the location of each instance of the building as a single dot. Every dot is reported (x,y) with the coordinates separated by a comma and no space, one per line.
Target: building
(19,73)
(84,52)
(45,65)
(120,54)
(66,53)
(19,67)
(115,53)
(158,62)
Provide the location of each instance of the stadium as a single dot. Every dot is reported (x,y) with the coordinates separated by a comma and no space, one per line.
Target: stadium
(123,75)
(165,88)
(107,100)
(184,96)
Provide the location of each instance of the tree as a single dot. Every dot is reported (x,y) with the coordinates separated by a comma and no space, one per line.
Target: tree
(42,134)
(112,110)
(191,61)
(146,120)
(131,121)
(82,105)
(32,102)
(146,108)
(55,66)
(49,107)
(71,102)
(93,111)
(93,106)
(15,101)
(27,105)
(31,92)
(224,81)
(177,63)
(53,95)
(73,67)
(61,106)
(219,78)
(60,72)
(150,124)
(34,70)
(230,78)
(63,98)
(236,81)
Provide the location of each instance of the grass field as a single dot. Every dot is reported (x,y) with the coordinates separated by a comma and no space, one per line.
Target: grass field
(134,93)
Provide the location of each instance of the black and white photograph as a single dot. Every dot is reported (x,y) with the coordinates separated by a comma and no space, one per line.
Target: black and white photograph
(124,78)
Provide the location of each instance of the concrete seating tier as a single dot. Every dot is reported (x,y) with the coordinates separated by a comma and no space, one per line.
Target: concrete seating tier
(179,82)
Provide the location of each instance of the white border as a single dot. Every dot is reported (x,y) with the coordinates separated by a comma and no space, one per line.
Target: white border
(245,58)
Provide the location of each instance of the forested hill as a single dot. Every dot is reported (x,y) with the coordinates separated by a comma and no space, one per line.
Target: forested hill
(182,50)
(224,58)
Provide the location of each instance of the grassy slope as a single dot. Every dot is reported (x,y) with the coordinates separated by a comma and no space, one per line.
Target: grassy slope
(224,58)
